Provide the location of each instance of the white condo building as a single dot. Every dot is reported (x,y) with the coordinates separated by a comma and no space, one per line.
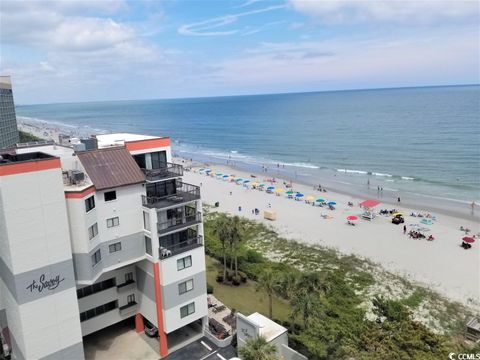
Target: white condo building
(91,238)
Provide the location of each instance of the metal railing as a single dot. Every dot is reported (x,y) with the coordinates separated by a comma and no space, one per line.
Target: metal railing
(167,170)
(184,193)
(177,223)
(166,250)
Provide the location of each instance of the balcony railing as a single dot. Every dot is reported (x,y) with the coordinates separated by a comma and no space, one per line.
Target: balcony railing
(166,251)
(178,223)
(168,170)
(184,193)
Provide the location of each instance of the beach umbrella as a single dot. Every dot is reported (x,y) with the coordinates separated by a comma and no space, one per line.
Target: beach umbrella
(246,181)
(271,188)
(397,214)
(254,183)
(238,179)
(332,203)
(309,198)
(468,239)
(290,192)
(208,170)
(279,190)
(352,218)
(299,195)
(263,185)
(320,200)
(226,176)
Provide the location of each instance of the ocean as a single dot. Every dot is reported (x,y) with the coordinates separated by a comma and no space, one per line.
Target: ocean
(412,142)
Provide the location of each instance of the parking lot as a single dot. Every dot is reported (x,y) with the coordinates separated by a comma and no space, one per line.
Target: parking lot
(121,342)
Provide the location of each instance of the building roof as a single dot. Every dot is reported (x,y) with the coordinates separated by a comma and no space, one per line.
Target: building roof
(119,139)
(269,329)
(112,167)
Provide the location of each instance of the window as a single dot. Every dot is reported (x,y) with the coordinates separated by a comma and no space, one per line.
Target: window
(96,257)
(110,195)
(187,310)
(129,277)
(92,231)
(113,222)
(89,203)
(99,310)
(97,287)
(130,298)
(159,159)
(185,286)
(146,221)
(115,247)
(184,263)
(148,245)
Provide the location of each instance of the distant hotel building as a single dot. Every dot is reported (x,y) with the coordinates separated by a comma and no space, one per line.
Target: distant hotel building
(8,121)
(90,238)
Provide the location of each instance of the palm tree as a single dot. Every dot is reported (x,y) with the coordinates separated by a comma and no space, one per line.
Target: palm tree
(258,349)
(221,230)
(305,304)
(312,282)
(237,231)
(289,284)
(268,282)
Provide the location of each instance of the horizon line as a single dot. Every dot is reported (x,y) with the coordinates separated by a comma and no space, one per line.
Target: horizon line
(256,94)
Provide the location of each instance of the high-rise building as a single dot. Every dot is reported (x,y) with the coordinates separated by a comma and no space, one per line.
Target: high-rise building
(8,121)
(90,238)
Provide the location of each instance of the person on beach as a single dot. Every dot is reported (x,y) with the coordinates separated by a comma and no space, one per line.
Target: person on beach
(472,205)
(398,200)
(404,229)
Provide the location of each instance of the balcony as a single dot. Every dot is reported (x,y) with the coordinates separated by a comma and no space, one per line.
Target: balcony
(127,285)
(130,307)
(166,251)
(184,193)
(175,224)
(167,171)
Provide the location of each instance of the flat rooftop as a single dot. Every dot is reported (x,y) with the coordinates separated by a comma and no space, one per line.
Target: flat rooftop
(119,139)
(269,329)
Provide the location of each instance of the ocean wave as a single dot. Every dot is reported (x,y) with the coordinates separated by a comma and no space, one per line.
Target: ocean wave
(381,174)
(407,178)
(353,171)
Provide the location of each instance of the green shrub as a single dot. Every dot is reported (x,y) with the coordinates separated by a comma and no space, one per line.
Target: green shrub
(209,289)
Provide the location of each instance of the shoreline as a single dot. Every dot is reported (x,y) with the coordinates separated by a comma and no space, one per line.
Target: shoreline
(427,203)
(441,265)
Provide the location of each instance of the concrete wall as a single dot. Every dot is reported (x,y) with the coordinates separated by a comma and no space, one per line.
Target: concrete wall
(37,284)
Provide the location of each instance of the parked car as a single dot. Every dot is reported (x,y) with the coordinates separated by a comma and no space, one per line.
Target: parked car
(150,329)
(398,220)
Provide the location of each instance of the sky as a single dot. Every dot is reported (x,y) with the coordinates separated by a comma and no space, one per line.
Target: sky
(69,51)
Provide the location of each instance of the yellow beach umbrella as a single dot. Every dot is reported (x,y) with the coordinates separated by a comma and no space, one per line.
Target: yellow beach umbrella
(279,190)
(309,198)
(254,183)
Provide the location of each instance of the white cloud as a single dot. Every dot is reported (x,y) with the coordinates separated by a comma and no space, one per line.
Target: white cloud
(201,28)
(432,58)
(411,11)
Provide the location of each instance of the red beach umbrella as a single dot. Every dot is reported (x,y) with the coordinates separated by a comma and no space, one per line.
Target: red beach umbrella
(352,218)
(468,239)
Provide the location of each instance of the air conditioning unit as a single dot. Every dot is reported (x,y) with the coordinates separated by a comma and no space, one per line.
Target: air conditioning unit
(77,176)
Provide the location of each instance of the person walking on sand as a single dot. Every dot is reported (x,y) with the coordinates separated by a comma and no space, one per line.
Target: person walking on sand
(472,205)
(398,200)
(404,229)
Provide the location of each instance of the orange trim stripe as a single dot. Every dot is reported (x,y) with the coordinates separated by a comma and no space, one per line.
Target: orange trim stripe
(31,166)
(158,298)
(80,194)
(147,144)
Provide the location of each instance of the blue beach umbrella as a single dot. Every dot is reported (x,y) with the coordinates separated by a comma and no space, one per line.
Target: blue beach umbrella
(246,181)
(320,200)
(271,188)
(299,195)
(332,203)
(262,185)
(208,170)
(225,176)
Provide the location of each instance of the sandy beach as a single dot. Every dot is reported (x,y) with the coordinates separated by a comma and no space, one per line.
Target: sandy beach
(441,264)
